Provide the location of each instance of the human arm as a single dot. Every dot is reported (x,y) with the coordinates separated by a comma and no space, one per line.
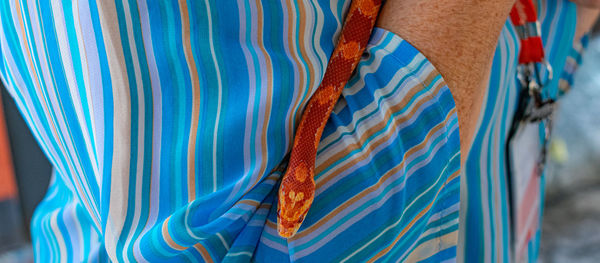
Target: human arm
(587,15)
(588,3)
(459,38)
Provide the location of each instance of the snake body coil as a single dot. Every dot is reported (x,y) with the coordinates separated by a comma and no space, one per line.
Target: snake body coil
(297,190)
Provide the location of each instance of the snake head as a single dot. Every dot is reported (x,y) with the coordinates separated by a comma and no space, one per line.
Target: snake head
(295,198)
(293,207)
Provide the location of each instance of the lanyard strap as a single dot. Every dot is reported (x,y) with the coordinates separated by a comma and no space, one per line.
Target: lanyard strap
(524,18)
(531,107)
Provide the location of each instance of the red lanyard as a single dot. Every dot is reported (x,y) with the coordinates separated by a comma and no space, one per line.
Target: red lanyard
(531,107)
(524,18)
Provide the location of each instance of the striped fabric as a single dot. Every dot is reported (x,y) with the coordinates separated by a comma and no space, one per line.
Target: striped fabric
(168,123)
(485,223)
(574,60)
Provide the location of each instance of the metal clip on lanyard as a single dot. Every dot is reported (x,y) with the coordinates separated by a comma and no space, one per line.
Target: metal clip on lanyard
(532,106)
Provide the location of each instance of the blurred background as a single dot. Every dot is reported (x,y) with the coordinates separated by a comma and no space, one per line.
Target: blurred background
(571,226)
(571,223)
(24,176)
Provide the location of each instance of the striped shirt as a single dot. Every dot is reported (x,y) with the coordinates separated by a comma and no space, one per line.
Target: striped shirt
(484,212)
(168,123)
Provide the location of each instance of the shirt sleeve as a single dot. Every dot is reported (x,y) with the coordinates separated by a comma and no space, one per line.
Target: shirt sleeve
(387,168)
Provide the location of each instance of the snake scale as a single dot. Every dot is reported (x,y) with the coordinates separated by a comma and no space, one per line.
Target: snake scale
(297,190)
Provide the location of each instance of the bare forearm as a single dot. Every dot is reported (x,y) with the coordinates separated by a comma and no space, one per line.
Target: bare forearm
(588,3)
(459,38)
(587,15)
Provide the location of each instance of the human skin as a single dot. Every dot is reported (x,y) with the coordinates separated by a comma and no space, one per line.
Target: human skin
(588,3)
(459,38)
(587,15)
